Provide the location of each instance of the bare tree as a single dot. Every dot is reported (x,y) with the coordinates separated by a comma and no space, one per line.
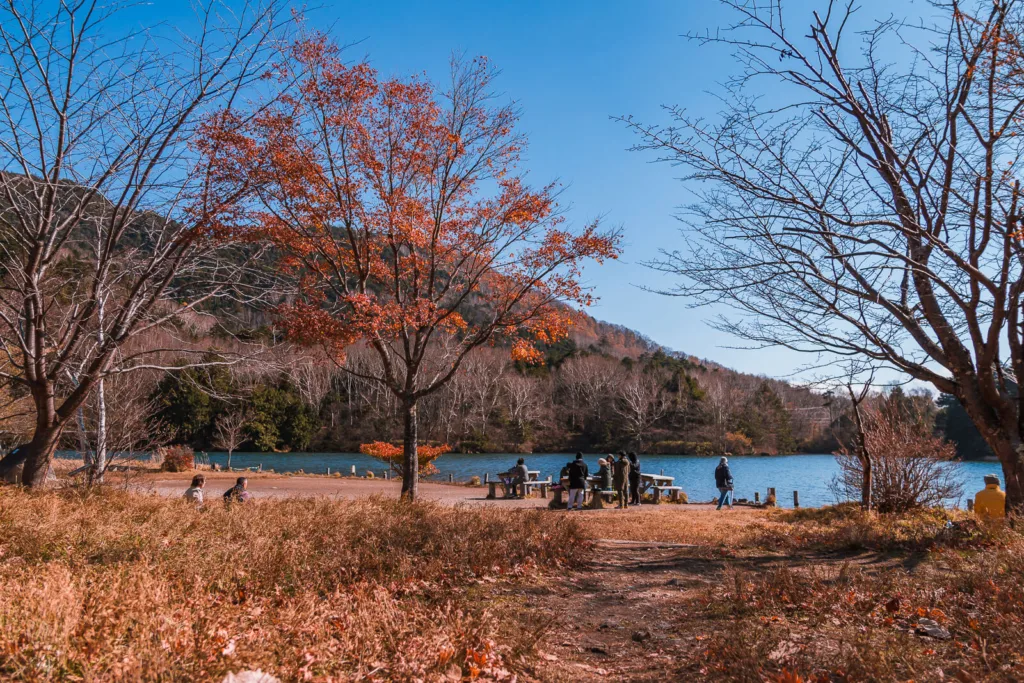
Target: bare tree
(230,431)
(641,404)
(109,213)
(520,399)
(874,212)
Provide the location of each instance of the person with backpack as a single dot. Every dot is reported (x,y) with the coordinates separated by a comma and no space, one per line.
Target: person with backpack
(723,480)
(577,472)
(634,479)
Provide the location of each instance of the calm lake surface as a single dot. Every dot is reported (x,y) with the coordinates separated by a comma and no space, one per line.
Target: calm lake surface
(808,474)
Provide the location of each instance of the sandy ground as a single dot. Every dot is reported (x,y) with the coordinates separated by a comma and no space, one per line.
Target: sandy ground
(277,485)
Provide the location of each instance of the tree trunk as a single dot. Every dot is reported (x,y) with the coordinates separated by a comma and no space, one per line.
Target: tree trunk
(40,452)
(862,450)
(1007,446)
(100,461)
(100,464)
(410,466)
(1012,460)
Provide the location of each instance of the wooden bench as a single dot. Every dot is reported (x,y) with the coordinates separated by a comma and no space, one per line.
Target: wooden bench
(674,491)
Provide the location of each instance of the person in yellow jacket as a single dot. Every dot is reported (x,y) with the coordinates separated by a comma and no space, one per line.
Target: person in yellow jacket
(990,502)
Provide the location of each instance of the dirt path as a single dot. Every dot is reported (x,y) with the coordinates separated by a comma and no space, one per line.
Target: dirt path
(623,615)
(635,612)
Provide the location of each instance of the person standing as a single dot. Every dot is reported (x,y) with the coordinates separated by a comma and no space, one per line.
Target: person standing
(990,502)
(604,473)
(577,472)
(634,479)
(620,480)
(723,480)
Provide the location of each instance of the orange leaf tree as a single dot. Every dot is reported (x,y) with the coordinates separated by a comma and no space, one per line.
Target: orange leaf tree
(394,455)
(399,209)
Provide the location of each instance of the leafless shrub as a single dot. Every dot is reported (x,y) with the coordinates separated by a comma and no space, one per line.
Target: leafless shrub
(911,468)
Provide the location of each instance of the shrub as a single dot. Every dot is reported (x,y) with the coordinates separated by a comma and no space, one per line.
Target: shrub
(394,455)
(910,468)
(738,443)
(176,458)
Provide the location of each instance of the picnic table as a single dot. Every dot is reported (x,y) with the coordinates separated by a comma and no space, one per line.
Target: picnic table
(655,484)
(659,484)
(532,481)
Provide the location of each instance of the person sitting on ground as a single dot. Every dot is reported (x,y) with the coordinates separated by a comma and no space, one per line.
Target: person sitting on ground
(620,469)
(577,472)
(990,502)
(238,492)
(604,474)
(723,480)
(194,493)
(634,479)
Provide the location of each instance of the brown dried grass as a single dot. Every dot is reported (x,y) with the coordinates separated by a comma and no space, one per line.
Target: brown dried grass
(846,592)
(112,585)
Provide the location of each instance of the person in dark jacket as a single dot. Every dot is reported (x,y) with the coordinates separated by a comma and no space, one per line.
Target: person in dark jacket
(634,479)
(620,468)
(577,473)
(723,480)
(238,492)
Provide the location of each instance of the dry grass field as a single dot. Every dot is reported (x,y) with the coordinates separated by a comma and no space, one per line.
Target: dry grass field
(111,585)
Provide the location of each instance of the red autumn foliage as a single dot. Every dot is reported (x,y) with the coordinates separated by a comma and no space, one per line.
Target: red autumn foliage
(404,221)
(392,454)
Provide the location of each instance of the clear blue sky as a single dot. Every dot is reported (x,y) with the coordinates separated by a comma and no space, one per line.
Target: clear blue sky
(571,64)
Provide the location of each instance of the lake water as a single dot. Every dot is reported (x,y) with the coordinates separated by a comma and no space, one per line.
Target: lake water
(808,474)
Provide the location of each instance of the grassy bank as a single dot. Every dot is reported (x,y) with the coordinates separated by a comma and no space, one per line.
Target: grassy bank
(120,586)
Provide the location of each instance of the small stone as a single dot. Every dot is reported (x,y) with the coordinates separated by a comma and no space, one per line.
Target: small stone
(256,676)
(641,636)
(932,629)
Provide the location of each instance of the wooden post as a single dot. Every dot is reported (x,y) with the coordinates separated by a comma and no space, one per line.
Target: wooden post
(328,471)
(487,478)
(796,499)
(757,497)
(451,478)
(663,472)
(353,470)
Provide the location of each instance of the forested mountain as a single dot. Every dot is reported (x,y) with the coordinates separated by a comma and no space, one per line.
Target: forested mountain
(605,387)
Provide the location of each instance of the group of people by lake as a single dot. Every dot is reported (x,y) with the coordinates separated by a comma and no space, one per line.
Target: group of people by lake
(236,494)
(619,474)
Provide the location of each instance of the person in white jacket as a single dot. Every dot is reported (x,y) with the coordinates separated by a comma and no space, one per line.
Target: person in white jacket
(194,492)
